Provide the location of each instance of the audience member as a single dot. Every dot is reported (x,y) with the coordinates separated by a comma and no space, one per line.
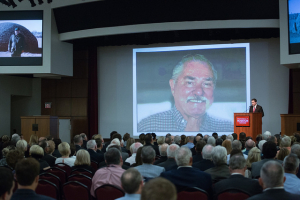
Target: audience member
(236,144)
(22,146)
(72,151)
(110,174)
(84,140)
(266,135)
(206,162)
(254,155)
(42,139)
(49,137)
(296,150)
(64,150)
(142,138)
(56,151)
(7,183)
(198,149)
(27,175)
(163,154)
(138,158)
(92,149)
(78,141)
(234,135)
(149,141)
(181,177)
(283,152)
(37,153)
(154,139)
(249,145)
(182,142)
(161,140)
(168,140)
(170,163)
(215,135)
(269,151)
(211,141)
(190,143)
(237,180)
(258,139)
(261,143)
(220,171)
(48,150)
(99,146)
(133,149)
(13,156)
(104,164)
(83,161)
(272,179)
(159,189)
(196,139)
(272,139)
(15,138)
(172,139)
(177,140)
(227,145)
(291,168)
(242,136)
(223,137)
(117,142)
(147,169)
(278,138)
(126,136)
(219,141)
(4,154)
(129,142)
(229,137)
(286,143)
(132,184)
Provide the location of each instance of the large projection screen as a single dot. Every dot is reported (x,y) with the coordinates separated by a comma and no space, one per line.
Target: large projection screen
(208,85)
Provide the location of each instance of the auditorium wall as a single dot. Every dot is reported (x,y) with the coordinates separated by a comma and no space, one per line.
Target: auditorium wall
(269,83)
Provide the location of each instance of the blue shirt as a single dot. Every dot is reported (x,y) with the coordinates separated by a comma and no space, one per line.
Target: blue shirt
(189,145)
(130,197)
(292,183)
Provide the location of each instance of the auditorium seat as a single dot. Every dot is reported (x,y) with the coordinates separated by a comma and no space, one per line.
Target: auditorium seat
(233,194)
(59,173)
(52,178)
(74,190)
(81,178)
(108,192)
(48,189)
(65,167)
(94,164)
(192,193)
(82,171)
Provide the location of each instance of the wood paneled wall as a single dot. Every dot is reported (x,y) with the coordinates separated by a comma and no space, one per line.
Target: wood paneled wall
(69,95)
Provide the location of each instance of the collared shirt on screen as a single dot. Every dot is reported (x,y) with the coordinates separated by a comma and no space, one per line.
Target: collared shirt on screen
(107,175)
(172,120)
(292,183)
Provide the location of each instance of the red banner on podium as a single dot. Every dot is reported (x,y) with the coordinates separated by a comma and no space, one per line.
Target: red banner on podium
(242,120)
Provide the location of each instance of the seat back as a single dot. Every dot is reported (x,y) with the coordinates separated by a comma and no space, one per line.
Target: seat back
(81,178)
(235,194)
(48,189)
(73,190)
(82,171)
(192,193)
(59,173)
(94,165)
(108,192)
(64,167)
(52,178)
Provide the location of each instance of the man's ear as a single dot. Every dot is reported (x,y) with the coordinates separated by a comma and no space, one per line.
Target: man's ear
(261,182)
(37,179)
(172,84)
(284,179)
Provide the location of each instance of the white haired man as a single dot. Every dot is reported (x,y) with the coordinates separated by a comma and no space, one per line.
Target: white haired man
(170,163)
(163,154)
(133,149)
(206,162)
(92,149)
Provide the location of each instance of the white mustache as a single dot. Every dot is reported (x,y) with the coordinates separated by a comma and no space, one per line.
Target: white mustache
(196,99)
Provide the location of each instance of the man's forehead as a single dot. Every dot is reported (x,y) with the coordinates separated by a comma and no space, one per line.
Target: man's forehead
(196,67)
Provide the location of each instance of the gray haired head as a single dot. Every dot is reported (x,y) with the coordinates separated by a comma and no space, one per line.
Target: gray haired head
(91,144)
(113,156)
(296,150)
(177,139)
(171,150)
(183,156)
(237,162)
(219,155)
(163,149)
(272,174)
(212,141)
(291,163)
(148,154)
(207,152)
(190,58)
(236,144)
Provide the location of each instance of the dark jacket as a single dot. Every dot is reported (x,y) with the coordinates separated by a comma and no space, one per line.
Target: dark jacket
(256,166)
(49,159)
(84,144)
(78,147)
(169,164)
(156,149)
(197,157)
(160,160)
(16,43)
(56,153)
(275,194)
(96,156)
(26,194)
(219,172)
(258,109)
(203,164)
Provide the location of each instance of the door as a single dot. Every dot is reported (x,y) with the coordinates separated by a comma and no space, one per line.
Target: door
(65,130)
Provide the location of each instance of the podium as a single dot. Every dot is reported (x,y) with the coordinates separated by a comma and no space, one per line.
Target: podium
(42,126)
(249,123)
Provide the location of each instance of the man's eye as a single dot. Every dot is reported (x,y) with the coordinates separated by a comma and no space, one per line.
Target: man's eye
(207,84)
(189,83)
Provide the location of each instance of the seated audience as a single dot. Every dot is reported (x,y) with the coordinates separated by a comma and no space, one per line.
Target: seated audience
(177,140)
(117,142)
(291,167)
(215,135)
(258,139)
(170,163)
(4,153)
(92,149)
(7,183)
(272,139)
(181,177)
(126,136)
(48,150)
(229,137)
(27,175)
(272,179)
(227,145)
(161,140)
(56,153)
(234,135)
(239,152)
(168,140)
(283,152)
(261,143)
(163,154)
(242,136)
(254,155)
(84,140)
(266,135)
(154,139)
(237,180)
(15,138)
(198,149)
(182,142)
(269,151)
(237,144)
(147,169)
(37,153)
(78,141)
(132,184)
(65,151)
(111,174)
(221,170)
(296,150)
(83,161)
(190,143)
(129,142)
(206,162)
(133,149)
(142,138)
(149,141)
(159,189)
(99,146)
(219,142)
(22,146)
(249,145)
(138,158)
(211,141)
(285,143)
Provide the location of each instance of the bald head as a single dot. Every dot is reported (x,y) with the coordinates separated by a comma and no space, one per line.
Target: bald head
(163,149)
(249,144)
(197,138)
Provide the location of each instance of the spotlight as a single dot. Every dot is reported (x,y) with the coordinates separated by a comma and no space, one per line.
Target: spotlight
(40,2)
(5,2)
(49,1)
(32,3)
(12,3)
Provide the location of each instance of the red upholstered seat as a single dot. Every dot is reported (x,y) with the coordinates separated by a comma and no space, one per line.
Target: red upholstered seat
(233,194)
(48,189)
(64,167)
(81,178)
(73,190)
(52,178)
(94,164)
(59,173)
(82,171)
(192,193)
(108,192)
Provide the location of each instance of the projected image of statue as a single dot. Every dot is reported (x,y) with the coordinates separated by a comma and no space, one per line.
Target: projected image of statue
(16,43)
(192,85)
(294,21)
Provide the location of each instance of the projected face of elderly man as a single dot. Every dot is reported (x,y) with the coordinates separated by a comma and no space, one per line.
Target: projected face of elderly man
(193,92)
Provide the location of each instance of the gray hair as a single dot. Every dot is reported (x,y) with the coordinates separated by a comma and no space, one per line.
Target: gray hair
(191,138)
(113,156)
(249,144)
(22,145)
(183,156)
(131,180)
(237,162)
(15,138)
(148,154)
(296,150)
(271,139)
(91,144)
(272,174)
(163,149)
(219,155)
(196,58)
(236,144)
(261,143)
(177,139)
(116,141)
(77,139)
(171,150)
(207,151)
(161,140)
(291,163)
(229,137)
(135,146)
(266,135)
(285,142)
(212,141)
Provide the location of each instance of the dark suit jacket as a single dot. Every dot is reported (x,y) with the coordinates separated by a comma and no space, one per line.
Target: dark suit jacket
(56,153)
(189,177)
(240,182)
(26,194)
(84,144)
(256,166)
(258,109)
(203,164)
(160,160)
(154,147)
(219,172)
(95,156)
(77,147)
(49,159)
(169,164)
(197,157)
(275,194)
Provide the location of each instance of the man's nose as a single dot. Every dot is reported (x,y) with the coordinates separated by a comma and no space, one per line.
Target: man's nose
(198,90)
